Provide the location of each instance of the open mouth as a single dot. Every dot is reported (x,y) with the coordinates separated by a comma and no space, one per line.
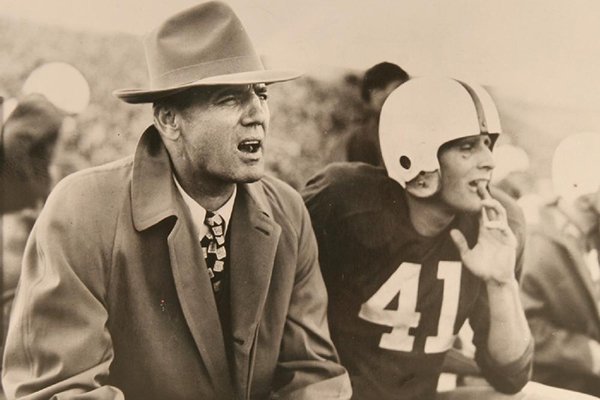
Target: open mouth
(250,146)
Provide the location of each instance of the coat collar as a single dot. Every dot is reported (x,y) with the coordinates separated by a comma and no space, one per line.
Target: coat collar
(153,192)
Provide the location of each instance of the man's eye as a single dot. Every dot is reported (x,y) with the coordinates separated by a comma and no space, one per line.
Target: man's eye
(227,99)
(466,146)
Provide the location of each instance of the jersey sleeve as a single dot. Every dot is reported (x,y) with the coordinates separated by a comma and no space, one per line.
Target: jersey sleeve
(509,378)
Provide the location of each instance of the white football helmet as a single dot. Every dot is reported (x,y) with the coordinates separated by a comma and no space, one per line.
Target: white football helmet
(423,114)
(576,165)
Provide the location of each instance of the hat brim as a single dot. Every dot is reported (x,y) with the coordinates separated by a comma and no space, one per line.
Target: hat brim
(136,96)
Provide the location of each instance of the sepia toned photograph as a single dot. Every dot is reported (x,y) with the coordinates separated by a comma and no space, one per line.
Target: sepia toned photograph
(277,199)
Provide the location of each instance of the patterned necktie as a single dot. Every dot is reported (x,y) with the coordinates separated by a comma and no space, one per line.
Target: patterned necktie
(213,246)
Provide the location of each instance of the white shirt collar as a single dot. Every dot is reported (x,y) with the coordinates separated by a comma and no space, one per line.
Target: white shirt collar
(198,212)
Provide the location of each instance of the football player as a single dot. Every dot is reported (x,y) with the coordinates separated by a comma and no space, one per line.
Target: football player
(412,251)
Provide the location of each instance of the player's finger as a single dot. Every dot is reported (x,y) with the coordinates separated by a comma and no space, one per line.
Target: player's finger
(487,215)
(483,217)
(484,194)
(493,205)
(459,240)
(499,225)
(482,190)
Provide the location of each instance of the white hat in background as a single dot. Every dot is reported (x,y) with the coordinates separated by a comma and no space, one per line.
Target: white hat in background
(62,84)
(576,165)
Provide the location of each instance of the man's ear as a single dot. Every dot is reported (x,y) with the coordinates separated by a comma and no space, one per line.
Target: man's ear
(426,184)
(166,121)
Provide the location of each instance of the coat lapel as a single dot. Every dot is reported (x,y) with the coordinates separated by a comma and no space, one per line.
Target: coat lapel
(253,244)
(198,302)
(154,197)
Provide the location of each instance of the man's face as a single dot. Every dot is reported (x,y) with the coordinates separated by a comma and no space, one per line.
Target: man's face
(223,132)
(464,163)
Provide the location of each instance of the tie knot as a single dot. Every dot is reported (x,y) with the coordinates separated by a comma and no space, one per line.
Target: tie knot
(213,219)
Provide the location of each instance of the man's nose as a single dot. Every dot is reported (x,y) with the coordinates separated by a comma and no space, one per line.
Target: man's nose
(256,112)
(486,158)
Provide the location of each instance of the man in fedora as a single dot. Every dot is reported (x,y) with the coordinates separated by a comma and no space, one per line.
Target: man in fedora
(183,272)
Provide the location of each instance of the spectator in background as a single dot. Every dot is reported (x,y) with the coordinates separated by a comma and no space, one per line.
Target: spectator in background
(561,277)
(378,82)
(181,272)
(29,138)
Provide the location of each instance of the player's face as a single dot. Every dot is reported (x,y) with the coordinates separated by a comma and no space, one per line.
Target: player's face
(223,132)
(464,163)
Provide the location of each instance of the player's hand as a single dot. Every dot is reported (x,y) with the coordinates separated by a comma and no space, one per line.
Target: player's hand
(493,257)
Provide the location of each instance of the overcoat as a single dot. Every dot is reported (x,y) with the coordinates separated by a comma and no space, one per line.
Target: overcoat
(115,299)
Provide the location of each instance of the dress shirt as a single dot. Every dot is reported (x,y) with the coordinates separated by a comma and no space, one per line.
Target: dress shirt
(198,212)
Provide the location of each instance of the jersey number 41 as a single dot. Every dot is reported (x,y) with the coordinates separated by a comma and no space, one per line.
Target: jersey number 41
(404,283)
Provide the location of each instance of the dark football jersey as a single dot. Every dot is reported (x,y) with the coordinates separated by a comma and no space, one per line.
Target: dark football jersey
(396,299)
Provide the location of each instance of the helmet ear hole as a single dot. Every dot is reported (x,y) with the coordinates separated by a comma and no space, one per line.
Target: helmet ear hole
(405,162)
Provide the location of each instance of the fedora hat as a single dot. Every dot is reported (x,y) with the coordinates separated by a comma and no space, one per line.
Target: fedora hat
(203,45)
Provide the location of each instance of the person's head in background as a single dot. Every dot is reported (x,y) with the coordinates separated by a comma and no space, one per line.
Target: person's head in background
(52,94)
(511,173)
(379,81)
(576,179)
